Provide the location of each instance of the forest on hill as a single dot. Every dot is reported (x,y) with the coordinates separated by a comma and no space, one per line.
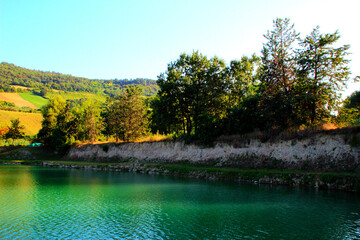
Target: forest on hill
(11,75)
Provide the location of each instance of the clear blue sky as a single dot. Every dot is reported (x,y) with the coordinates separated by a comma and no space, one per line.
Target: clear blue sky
(108,39)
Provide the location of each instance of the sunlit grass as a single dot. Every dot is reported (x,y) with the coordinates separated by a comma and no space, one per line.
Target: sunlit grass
(155,138)
(38,101)
(16,142)
(17,100)
(75,95)
(31,121)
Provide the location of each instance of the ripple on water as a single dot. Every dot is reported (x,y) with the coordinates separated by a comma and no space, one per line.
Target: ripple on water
(53,204)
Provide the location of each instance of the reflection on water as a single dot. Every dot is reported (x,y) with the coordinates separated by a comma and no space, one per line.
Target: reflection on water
(80,204)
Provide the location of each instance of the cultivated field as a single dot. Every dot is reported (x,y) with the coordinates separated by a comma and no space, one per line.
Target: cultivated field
(31,121)
(34,99)
(17,100)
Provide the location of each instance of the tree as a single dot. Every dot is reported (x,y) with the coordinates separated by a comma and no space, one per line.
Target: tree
(243,77)
(15,130)
(50,113)
(323,73)
(278,73)
(193,90)
(128,115)
(349,113)
(353,101)
(90,121)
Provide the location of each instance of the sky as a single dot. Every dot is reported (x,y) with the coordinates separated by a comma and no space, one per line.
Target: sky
(107,39)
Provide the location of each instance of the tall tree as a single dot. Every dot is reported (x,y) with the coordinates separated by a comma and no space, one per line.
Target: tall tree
(323,73)
(278,73)
(50,112)
(195,88)
(243,77)
(90,121)
(129,115)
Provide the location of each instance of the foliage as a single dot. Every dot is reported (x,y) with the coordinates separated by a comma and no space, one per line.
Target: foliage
(353,101)
(89,121)
(192,92)
(296,83)
(278,74)
(66,121)
(126,116)
(349,113)
(15,130)
(301,86)
(44,81)
(323,73)
(3,131)
(245,117)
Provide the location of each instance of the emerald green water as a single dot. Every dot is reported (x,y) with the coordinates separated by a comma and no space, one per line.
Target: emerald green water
(45,203)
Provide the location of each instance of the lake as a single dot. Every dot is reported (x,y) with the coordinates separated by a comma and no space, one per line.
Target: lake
(51,203)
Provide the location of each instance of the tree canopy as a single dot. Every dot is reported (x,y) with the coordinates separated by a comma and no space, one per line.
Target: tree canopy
(295,82)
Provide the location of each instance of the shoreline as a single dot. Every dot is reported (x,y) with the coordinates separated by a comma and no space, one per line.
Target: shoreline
(343,181)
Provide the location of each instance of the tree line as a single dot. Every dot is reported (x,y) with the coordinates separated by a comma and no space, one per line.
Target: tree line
(295,82)
(41,81)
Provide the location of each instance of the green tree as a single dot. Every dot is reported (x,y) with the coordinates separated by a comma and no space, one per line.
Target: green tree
(353,101)
(15,130)
(50,113)
(243,78)
(129,115)
(278,73)
(90,121)
(193,90)
(349,113)
(107,116)
(60,124)
(323,73)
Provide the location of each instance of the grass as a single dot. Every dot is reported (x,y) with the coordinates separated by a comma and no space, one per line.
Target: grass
(155,138)
(31,121)
(17,100)
(17,142)
(75,95)
(38,101)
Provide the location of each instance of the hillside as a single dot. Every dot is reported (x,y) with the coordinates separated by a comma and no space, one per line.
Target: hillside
(31,121)
(18,100)
(11,74)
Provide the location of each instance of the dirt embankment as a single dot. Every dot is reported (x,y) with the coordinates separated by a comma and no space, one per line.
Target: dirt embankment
(317,153)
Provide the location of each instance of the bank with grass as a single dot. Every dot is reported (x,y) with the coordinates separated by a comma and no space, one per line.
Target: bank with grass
(328,159)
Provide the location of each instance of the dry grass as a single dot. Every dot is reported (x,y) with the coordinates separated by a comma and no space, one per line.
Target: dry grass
(150,138)
(17,100)
(31,121)
(155,138)
(275,135)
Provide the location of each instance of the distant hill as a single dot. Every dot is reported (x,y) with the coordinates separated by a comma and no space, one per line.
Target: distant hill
(11,74)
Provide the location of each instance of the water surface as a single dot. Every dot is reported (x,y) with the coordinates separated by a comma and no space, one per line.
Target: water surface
(38,203)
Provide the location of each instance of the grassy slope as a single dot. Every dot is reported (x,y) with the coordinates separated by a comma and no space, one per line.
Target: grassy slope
(31,121)
(34,99)
(17,100)
(75,95)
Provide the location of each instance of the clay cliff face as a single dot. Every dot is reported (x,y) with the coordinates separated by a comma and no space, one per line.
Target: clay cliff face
(320,152)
